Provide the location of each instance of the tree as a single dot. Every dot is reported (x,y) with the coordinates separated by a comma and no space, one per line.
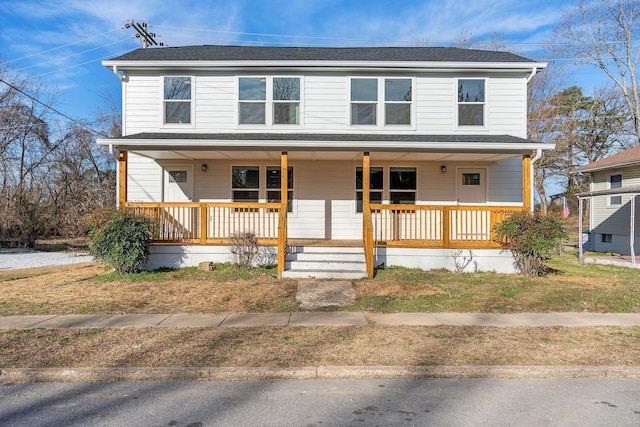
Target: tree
(606,34)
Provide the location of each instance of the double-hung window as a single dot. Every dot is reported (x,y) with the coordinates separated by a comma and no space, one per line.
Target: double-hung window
(471,102)
(402,186)
(245,183)
(376,185)
(273,186)
(269,101)
(615,181)
(391,109)
(177,100)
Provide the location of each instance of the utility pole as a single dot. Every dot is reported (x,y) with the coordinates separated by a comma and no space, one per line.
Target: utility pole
(146,38)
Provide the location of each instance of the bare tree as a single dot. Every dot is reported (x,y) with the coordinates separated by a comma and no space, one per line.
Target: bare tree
(606,34)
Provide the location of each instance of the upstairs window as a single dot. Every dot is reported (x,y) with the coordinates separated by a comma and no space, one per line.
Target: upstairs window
(615,181)
(252,100)
(402,186)
(471,102)
(397,101)
(269,100)
(364,101)
(177,100)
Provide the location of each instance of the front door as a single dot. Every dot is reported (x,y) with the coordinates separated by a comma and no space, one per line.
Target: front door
(178,184)
(472,185)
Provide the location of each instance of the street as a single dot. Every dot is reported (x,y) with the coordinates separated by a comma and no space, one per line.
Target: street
(465,402)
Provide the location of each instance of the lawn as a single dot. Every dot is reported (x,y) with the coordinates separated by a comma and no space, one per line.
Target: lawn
(93,288)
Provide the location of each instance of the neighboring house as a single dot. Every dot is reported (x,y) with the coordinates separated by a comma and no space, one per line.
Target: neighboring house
(383,155)
(614,183)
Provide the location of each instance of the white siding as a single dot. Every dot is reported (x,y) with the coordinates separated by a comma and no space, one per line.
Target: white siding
(614,220)
(325,105)
(144,179)
(505,182)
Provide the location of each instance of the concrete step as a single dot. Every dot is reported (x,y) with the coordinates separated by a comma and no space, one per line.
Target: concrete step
(326,274)
(327,265)
(328,249)
(326,256)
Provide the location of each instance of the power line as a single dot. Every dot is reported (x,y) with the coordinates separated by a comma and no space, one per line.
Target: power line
(54,110)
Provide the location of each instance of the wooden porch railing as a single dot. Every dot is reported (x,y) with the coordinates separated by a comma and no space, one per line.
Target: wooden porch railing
(210,223)
(437,226)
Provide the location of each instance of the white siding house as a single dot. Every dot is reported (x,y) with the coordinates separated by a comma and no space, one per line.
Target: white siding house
(385,155)
(614,186)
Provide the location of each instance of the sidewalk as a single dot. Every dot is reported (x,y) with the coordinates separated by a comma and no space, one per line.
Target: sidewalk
(326,319)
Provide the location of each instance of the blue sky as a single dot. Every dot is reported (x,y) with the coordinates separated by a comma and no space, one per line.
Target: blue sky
(62,42)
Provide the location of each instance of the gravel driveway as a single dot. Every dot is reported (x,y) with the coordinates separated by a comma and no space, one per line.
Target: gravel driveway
(15,260)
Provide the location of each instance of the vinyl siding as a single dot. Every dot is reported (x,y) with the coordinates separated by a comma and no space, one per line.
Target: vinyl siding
(325,105)
(614,219)
(144,179)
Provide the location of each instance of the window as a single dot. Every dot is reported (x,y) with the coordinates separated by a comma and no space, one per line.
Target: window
(364,101)
(397,101)
(177,100)
(376,185)
(177,176)
(365,105)
(286,101)
(252,100)
(615,181)
(402,185)
(471,101)
(269,100)
(273,186)
(607,238)
(245,183)
(470,179)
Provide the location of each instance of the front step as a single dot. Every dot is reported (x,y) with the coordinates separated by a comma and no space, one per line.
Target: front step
(325,263)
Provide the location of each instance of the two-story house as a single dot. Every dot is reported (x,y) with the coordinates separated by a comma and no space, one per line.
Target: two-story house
(386,155)
(614,184)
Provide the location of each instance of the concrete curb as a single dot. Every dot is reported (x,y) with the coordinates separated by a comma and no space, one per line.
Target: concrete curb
(18,375)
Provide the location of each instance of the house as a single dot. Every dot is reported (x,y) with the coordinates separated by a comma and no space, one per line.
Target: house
(614,184)
(338,159)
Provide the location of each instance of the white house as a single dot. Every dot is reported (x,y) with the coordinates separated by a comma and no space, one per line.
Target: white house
(378,155)
(614,184)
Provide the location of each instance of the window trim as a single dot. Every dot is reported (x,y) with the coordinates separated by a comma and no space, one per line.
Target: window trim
(269,102)
(485,109)
(381,103)
(191,101)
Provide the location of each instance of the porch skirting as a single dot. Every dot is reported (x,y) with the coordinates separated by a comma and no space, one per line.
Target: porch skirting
(500,261)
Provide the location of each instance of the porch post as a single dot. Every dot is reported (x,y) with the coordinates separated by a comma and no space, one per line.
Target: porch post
(526,183)
(122,178)
(282,214)
(367,224)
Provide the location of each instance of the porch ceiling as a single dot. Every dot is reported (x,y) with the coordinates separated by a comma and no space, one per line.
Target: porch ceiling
(323,156)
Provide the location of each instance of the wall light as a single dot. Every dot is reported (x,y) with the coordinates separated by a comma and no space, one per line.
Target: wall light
(443,168)
(204,167)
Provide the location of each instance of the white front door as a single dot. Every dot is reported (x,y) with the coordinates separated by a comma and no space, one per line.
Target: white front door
(178,184)
(472,185)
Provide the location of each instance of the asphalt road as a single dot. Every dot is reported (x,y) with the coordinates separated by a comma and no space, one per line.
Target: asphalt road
(434,402)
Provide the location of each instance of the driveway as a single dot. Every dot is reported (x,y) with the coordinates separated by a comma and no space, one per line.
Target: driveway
(31,259)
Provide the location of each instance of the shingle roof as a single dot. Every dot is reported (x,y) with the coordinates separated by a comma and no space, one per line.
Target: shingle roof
(265,53)
(627,157)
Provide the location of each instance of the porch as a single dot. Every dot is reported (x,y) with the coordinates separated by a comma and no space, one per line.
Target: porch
(384,226)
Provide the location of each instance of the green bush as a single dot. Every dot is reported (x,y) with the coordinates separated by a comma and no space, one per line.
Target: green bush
(120,238)
(531,239)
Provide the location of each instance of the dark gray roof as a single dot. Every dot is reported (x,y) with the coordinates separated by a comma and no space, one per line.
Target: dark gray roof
(264,53)
(347,137)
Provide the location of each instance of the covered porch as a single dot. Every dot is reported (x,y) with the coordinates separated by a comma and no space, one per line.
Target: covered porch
(377,219)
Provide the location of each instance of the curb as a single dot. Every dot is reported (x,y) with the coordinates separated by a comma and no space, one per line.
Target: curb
(24,375)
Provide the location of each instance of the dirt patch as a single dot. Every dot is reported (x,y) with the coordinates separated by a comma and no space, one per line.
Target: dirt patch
(314,294)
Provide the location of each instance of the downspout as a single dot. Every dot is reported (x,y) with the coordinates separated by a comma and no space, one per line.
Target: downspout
(531,178)
(534,71)
(121,76)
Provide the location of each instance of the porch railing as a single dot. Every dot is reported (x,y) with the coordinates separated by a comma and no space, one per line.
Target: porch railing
(210,223)
(437,226)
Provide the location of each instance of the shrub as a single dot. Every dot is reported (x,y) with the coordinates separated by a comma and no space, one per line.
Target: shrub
(120,238)
(531,239)
(244,247)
